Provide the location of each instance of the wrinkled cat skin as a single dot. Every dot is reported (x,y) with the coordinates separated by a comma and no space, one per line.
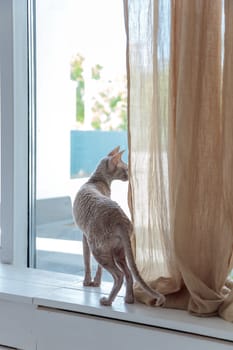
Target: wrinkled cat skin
(107,230)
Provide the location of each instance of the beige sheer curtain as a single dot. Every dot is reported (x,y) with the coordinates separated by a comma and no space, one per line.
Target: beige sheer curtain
(180,75)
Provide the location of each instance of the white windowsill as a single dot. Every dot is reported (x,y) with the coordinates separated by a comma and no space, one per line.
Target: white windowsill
(65,292)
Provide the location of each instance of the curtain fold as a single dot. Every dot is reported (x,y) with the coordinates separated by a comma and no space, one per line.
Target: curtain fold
(145,143)
(226,309)
(181,150)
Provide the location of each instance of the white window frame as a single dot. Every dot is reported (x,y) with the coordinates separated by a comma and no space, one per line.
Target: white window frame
(14,131)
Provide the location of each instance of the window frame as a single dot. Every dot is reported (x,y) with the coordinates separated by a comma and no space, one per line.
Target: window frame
(14,132)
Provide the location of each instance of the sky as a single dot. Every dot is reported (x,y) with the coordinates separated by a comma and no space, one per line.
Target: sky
(92,28)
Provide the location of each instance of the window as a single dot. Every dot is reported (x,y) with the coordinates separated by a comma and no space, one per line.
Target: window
(14,130)
(80,115)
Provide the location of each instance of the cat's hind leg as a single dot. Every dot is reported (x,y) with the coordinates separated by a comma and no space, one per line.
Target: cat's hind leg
(87,265)
(108,263)
(120,259)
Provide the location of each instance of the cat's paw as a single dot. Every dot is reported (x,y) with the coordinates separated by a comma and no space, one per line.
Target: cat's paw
(105,301)
(129,299)
(87,282)
(95,283)
(160,301)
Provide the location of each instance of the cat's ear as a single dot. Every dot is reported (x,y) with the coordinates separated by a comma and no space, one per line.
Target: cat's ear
(114,151)
(114,160)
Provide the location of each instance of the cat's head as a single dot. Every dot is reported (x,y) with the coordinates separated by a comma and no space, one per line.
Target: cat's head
(116,166)
(113,167)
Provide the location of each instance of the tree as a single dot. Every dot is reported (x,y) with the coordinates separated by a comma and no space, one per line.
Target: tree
(110,107)
(109,103)
(76,74)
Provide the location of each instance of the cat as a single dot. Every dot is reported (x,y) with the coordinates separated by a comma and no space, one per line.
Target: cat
(107,231)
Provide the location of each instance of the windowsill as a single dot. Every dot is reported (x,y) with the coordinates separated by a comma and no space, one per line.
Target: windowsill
(65,292)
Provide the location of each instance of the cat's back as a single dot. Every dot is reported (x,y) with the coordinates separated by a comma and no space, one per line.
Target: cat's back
(92,209)
(86,199)
(88,204)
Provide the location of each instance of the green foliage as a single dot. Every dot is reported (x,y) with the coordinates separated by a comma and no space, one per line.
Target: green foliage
(80,109)
(76,74)
(95,72)
(114,101)
(124,121)
(96,124)
(76,71)
(109,104)
(110,109)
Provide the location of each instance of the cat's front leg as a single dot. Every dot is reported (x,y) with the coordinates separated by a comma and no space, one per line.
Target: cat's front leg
(98,275)
(87,262)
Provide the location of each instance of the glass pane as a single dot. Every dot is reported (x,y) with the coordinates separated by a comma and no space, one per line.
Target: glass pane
(81,115)
(0,167)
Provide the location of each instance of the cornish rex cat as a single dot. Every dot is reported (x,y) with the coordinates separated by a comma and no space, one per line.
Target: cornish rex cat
(107,230)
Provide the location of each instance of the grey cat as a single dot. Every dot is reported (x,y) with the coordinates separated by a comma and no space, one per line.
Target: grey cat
(107,230)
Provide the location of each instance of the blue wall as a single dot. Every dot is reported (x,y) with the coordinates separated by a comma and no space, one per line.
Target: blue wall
(88,147)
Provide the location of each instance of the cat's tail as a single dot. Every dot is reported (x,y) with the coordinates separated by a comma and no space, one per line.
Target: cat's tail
(160,298)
